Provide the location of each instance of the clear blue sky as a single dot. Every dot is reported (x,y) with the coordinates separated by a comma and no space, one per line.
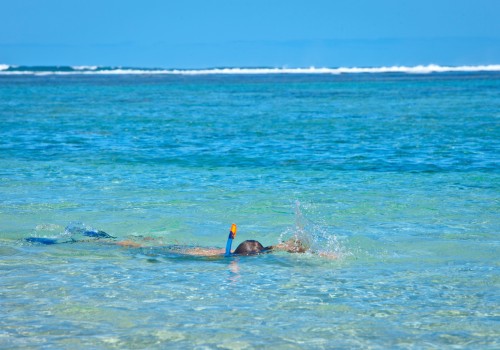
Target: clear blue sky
(236,33)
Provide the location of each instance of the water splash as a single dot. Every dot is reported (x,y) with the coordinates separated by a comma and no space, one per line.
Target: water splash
(315,237)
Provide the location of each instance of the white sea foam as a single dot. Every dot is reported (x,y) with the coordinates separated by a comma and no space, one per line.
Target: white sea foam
(84,67)
(94,70)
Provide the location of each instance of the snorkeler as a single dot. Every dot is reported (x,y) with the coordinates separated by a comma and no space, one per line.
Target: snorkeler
(248,247)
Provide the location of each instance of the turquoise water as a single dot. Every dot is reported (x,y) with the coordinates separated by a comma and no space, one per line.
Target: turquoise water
(395,174)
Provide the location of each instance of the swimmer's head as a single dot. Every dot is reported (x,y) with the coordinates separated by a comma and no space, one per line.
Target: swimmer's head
(251,247)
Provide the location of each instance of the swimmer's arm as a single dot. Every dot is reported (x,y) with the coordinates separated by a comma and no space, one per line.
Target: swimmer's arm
(293,245)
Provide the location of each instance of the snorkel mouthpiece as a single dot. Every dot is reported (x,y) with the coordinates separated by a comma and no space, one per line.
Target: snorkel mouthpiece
(232,234)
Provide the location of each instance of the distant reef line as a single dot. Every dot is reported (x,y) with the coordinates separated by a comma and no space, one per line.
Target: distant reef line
(6,69)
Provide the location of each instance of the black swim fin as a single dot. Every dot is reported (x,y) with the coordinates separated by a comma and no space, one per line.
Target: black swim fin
(97,234)
(46,241)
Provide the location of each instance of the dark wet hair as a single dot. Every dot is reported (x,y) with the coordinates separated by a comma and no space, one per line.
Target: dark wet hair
(251,247)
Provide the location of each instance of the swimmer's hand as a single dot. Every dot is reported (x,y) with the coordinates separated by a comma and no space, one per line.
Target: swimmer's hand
(327,255)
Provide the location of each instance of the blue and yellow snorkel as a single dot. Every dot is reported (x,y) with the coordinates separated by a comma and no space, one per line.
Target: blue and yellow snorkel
(232,234)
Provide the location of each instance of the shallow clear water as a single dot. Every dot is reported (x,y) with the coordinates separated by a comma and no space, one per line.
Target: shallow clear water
(395,174)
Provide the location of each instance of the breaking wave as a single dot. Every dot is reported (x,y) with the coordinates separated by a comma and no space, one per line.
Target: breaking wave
(91,68)
(97,70)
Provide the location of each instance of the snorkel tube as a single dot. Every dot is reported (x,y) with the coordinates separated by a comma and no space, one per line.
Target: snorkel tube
(232,234)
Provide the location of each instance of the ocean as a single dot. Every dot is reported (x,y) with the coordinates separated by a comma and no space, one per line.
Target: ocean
(391,176)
